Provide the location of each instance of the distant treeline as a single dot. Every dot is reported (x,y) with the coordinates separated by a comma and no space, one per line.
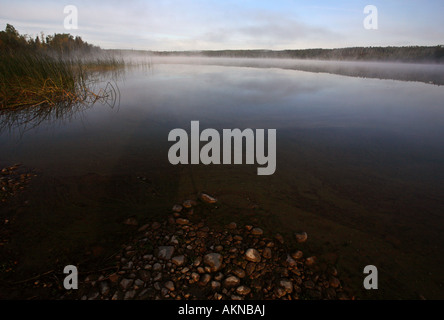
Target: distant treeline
(404,54)
(11,41)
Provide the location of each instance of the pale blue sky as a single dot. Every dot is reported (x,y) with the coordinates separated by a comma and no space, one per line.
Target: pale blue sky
(233,24)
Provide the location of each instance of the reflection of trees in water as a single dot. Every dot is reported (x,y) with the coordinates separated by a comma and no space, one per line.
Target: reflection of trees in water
(28,118)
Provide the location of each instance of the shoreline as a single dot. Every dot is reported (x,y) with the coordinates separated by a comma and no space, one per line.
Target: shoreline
(182,258)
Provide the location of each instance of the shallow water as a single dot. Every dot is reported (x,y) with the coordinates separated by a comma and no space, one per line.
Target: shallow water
(360,167)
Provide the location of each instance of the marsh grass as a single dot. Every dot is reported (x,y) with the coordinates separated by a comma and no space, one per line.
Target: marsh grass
(30,79)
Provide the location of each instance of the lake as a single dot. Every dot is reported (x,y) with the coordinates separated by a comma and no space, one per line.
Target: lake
(360,167)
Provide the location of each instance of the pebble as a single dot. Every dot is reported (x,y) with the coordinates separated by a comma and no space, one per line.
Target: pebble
(334,282)
(165,252)
(257,231)
(232,226)
(243,290)
(222,264)
(178,260)
(139,282)
(267,253)
(182,221)
(253,255)
(301,237)
(104,288)
(287,285)
(239,273)
(169,285)
(189,203)
(214,261)
(174,240)
(207,198)
(219,276)
(290,261)
(197,261)
(195,276)
(126,283)
(310,261)
(249,269)
(280,292)
(156,225)
(215,285)
(231,281)
(297,255)
(131,221)
(204,280)
(279,238)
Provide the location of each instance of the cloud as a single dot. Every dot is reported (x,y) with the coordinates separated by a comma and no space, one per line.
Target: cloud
(267,29)
(229,24)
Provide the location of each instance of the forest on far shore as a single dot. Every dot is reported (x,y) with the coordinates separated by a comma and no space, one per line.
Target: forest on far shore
(402,54)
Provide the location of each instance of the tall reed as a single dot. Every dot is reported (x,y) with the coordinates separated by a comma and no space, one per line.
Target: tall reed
(29,79)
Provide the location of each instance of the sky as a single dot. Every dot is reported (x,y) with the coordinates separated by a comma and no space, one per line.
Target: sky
(232,24)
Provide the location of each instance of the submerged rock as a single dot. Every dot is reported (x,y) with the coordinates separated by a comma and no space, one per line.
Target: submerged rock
(297,255)
(182,221)
(301,237)
(189,203)
(178,260)
(231,281)
(131,221)
(243,290)
(253,255)
(169,285)
(193,261)
(310,261)
(165,252)
(207,198)
(214,261)
(257,231)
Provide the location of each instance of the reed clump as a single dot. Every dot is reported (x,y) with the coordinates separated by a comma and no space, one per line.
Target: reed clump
(30,79)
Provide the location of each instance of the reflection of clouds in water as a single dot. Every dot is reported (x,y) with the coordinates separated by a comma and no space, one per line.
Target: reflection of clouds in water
(420,72)
(275,98)
(262,86)
(171,95)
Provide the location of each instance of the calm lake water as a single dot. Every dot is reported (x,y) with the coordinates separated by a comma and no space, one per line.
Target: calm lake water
(360,167)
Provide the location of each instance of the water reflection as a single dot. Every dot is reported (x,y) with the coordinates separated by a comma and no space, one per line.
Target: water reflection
(418,72)
(357,159)
(25,119)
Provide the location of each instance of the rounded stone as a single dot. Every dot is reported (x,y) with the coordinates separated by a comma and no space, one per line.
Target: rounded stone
(310,261)
(257,231)
(178,260)
(297,255)
(231,281)
(169,285)
(301,237)
(253,255)
(243,290)
(213,261)
(207,198)
(267,253)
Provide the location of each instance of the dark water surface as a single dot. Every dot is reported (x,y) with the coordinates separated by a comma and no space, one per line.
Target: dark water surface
(360,167)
